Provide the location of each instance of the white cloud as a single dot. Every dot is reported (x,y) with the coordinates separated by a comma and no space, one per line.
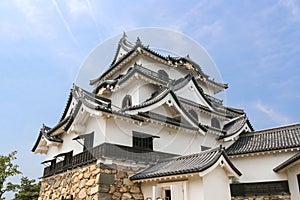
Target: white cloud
(30,20)
(66,24)
(293,8)
(78,8)
(273,115)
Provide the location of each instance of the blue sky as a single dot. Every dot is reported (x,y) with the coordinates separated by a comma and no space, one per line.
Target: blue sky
(255,45)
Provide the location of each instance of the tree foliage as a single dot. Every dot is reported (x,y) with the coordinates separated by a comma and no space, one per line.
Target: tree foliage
(8,169)
(28,190)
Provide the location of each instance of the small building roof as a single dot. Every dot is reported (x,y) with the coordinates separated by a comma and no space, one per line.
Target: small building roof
(235,127)
(193,163)
(289,162)
(45,133)
(285,137)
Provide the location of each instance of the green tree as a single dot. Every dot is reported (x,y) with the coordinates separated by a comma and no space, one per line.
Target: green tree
(7,169)
(28,190)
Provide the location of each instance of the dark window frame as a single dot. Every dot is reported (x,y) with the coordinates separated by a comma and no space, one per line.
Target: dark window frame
(259,188)
(298,178)
(88,141)
(127,101)
(142,141)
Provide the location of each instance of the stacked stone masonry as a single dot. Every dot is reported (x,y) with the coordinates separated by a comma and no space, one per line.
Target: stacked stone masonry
(272,197)
(92,182)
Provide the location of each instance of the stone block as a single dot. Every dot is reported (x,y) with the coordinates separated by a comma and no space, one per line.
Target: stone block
(82,194)
(135,189)
(128,182)
(126,196)
(103,188)
(90,182)
(139,196)
(94,190)
(104,196)
(106,179)
(121,174)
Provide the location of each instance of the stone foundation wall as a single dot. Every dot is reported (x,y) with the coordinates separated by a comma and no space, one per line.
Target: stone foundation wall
(272,197)
(92,182)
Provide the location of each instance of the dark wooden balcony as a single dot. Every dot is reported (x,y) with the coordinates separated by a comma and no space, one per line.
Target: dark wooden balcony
(106,151)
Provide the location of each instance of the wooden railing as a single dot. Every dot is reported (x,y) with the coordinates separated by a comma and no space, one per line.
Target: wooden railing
(106,150)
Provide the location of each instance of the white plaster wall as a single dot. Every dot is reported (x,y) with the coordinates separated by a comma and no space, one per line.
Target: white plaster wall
(147,189)
(293,182)
(190,92)
(170,141)
(260,168)
(155,66)
(205,118)
(165,110)
(98,126)
(67,145)
(119,131)
(123,70)
(205,88)
(213,186)
(145,91)
(195,188)
(132,88)
(216,185)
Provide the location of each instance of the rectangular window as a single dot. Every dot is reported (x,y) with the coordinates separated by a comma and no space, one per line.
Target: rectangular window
(260,189)
(68,158)
(88,141)
(142,141)
(167,194)
(52,164)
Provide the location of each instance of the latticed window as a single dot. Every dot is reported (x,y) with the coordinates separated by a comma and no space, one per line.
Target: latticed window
(215,123)
(127,101)
(142,141)
(88,141)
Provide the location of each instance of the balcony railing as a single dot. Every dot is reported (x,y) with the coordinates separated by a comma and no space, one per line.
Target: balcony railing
(107,150)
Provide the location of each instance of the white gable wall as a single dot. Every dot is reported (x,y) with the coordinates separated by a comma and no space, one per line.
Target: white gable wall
(195,188)
(216,185)
(293,182)
(98,126)
(260,168)
(190,92)
(213,186)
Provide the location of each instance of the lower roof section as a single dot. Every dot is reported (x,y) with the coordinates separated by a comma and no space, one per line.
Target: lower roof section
(285,137)
(288,163)
(194,163)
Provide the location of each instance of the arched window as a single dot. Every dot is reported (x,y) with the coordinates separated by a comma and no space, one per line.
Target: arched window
(163,74)
(215,123)
(194,114)
(127,101)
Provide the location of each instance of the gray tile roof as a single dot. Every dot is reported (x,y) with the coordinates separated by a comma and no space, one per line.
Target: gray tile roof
(184,164)
(288,162)
(267,140)
(45,131)
(235,126)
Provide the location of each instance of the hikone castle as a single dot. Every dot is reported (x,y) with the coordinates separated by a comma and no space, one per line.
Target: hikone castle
(152,128)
